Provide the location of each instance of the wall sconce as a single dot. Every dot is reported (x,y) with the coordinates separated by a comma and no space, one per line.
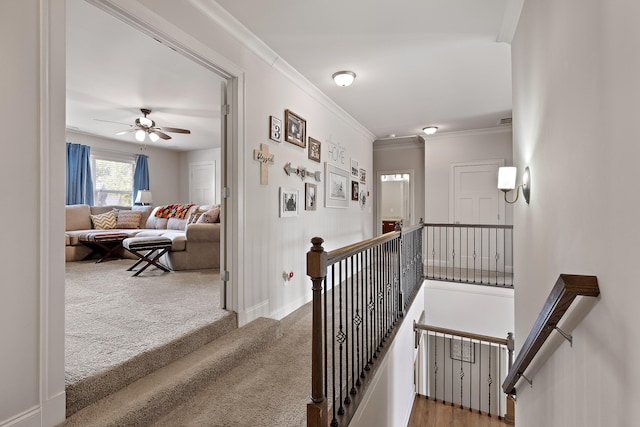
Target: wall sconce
(507,182)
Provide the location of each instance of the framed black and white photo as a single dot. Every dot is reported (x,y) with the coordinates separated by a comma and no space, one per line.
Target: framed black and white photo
(462,350)
(363,176)
(355,171)
(314,149)
(288,202)
(355,190)
(295,130)
(275,129)
(310,196)
(336,193)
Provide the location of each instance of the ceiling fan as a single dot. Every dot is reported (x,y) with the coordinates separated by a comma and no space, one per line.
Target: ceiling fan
(145,126)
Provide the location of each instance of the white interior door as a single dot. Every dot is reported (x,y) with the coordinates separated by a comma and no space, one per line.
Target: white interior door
(202,183)
(475,199)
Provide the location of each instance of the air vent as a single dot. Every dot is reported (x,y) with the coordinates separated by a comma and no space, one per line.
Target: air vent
(504,121)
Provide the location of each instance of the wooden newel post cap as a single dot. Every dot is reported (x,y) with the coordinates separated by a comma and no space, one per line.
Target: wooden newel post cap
(316,259)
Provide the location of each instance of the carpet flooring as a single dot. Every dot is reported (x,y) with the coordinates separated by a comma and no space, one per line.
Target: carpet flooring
(113,319)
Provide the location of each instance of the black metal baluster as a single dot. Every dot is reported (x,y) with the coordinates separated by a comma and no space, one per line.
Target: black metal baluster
(334,421)
(490,380)
(474,254)
(435,367)
(497,256)
(499,397)
(433,254)
(451,358)
(472,348)
(446,252)
(376,301)
(460,256)
(359,309)
(347,282)
(369,313)
(326,349)
(461,370)
(341,336)
(440,253)
(479,379)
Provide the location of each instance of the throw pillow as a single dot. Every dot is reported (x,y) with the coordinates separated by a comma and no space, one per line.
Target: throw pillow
(174,211)
(128,219)
(210,216)
(194,217)
(105,221)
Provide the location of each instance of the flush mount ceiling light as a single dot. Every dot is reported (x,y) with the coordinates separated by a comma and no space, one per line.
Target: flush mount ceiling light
(430,130)
(344,78)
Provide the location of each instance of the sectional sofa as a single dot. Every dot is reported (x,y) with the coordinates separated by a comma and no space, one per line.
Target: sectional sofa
(195,244)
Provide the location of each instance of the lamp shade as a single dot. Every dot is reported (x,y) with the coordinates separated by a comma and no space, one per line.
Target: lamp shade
(140,135)
(144,197)
(344,78)
(507,178)
(153,136)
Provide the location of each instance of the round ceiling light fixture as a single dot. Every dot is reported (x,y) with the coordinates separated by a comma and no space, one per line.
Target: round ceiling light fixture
(344,78)
(430,130)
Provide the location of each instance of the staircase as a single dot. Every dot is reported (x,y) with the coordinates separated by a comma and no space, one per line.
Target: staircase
(151,397)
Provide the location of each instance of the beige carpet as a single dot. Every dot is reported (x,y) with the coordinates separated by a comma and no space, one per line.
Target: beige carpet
(115,321)
(270,388)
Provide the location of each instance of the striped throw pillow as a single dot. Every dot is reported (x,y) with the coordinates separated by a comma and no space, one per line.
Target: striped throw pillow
(128,219)
(105,221)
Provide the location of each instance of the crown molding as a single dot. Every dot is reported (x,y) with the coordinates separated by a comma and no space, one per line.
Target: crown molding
(484,131)
(404,143)
(237,30)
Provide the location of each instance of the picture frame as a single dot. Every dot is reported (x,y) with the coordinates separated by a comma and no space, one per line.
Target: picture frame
(288,202)
(462,350)
(314,149)
(355,190)
(295,129)
(355,171)
(310,196)
(275,129)
(363,176)
(336,191)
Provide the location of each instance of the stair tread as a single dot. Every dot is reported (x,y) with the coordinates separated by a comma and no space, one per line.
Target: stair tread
(157,393)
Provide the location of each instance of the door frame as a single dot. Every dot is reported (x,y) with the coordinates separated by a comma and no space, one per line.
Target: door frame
(452,191)
(378,214)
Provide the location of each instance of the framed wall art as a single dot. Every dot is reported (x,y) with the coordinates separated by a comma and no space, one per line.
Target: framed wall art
(363,176)
(288,202)
(462,350)
(355,172)
(310,196)
(314,149)
(355,190)
(295,129)
(275,129)
(336,192)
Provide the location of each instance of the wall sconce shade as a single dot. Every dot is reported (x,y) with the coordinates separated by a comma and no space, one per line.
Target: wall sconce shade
(344,78)
(144,197)
(507,182)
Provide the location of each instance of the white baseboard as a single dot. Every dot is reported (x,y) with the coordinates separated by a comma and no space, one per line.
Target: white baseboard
(291,307)
(28,418)
(252,313)
(50,413)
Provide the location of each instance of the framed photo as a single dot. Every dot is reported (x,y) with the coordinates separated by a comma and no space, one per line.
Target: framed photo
(355,190)
(288,202)
(310,196)
(275,129)
(363,176)
(462,350)
(336,192)
(314,149)
(295,130)
(355,172)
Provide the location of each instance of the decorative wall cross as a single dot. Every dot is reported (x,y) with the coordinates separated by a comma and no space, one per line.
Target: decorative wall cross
(265,158)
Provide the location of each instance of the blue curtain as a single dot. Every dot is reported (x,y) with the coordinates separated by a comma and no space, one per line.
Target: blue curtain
(79,182)
(140,175)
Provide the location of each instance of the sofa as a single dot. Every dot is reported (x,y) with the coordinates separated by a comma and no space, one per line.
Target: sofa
(195,243)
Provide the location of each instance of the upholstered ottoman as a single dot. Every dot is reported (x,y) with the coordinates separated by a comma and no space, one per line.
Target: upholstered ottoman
(148,249)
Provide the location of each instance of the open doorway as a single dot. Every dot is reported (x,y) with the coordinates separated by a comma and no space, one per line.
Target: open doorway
(178,174)
(395,199)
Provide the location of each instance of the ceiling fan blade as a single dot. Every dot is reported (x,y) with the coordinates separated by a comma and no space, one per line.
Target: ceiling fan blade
(160,134)
(175,130)
(124,132)
(109,121)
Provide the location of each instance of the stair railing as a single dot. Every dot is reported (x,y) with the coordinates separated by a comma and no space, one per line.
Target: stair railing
(565,291)
(469,253)
(464,369)
(360,294)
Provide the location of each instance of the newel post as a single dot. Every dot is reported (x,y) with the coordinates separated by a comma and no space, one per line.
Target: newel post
(317,271)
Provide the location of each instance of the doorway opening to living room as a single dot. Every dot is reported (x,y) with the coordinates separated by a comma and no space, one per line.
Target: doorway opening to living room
(120,327)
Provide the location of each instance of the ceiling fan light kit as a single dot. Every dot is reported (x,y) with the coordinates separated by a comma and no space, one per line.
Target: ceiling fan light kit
(145,126)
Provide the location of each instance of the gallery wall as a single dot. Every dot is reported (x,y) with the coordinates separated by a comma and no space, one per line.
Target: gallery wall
(576,91)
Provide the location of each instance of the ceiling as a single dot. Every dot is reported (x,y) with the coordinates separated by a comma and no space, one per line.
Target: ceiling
(418,63)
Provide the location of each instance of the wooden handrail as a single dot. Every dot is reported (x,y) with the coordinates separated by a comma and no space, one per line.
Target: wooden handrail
(477,337)
(345,252)
(566,289)
(499,226)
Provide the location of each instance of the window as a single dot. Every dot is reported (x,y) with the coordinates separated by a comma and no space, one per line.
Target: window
(113,180)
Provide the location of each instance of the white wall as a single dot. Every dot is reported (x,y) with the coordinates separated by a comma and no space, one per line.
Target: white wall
(441,150)
(576,109)
(389,398)
(484,310)
(165,174)
(32,109)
